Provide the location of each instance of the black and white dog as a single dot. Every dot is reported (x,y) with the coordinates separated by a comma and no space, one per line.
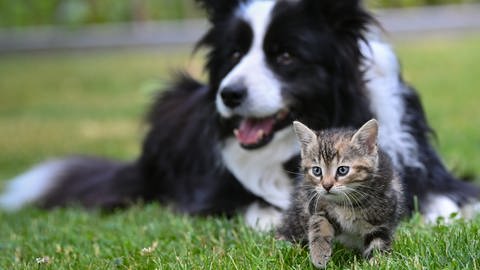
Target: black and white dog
(228,146)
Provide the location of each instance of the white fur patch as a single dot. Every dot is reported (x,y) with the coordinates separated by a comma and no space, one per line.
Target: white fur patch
(261,170)
(385,94)
(31,186)
(436,206)
(264,97)
(264,218)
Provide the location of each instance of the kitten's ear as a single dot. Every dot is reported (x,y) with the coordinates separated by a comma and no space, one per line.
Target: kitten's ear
(367,135)
(305,135)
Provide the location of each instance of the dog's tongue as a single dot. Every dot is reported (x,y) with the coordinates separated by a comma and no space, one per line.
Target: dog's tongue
(251,131)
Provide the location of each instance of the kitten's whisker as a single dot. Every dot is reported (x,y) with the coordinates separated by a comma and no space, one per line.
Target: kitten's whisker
(352,200)
(295,173)
(362,193)
(343,199)
(316,202)
(348,200)
(356,195)
(357,200)
(311,199)
(345,194)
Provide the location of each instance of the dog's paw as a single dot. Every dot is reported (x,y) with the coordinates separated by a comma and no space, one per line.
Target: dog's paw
(262,218)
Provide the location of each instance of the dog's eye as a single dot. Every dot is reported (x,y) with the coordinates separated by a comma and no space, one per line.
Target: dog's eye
(284,58)
(235,56)
(317,171)
(343,170)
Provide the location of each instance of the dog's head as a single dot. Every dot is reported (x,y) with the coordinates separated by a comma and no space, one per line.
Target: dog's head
(270,62)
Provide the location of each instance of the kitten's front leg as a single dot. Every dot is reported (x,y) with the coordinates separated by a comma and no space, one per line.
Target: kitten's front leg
(320,237)
(379,240)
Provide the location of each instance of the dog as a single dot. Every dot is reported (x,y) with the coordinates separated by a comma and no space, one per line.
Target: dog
(227,146)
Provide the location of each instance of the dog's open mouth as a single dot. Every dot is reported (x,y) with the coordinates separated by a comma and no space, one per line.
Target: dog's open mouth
(256,132)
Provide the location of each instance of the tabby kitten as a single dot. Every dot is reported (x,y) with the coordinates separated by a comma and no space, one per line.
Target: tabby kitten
(349,192)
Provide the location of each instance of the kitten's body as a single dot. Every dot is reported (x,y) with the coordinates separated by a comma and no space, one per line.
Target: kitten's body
(361,208)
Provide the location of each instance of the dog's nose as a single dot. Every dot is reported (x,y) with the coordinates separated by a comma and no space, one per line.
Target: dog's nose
(234,95)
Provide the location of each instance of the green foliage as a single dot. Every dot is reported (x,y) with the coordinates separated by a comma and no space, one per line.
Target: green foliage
(151,237)
(443,72)
(412,3)
(91,102)
(81,12)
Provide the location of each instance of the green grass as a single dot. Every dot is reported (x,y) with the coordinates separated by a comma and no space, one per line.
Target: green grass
(73,239)
(445,73)
(91,102)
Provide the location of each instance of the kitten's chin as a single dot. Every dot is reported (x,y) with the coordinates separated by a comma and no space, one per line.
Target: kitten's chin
(334,197)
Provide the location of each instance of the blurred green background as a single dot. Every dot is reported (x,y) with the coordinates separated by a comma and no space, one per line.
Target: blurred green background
(79,12)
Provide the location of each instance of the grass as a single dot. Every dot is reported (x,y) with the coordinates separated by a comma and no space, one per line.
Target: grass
(55,104)
(153,238)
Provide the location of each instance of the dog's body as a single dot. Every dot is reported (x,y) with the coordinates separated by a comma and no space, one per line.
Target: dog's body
(229,145)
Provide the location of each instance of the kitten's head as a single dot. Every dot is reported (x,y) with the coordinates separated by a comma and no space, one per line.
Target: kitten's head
(337,163)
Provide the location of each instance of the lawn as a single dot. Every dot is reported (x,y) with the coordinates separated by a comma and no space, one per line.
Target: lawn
(55,104)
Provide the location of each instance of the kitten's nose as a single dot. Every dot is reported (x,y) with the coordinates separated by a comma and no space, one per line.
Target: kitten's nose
(327,186)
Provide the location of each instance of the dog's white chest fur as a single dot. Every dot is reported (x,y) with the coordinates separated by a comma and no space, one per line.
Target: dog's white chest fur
(261,171)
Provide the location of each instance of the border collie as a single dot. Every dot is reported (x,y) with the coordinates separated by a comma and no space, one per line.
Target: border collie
(228,146)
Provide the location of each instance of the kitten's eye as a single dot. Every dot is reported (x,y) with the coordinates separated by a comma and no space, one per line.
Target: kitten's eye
(317,171)
(284,58)
(343,170)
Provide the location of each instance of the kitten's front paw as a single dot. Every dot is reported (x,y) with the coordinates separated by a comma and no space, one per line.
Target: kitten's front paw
(320,257)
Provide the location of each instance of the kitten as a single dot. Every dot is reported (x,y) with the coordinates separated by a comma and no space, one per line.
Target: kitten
(349,192)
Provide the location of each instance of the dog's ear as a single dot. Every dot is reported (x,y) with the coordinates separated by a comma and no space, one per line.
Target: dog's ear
(218,10)
(343,16)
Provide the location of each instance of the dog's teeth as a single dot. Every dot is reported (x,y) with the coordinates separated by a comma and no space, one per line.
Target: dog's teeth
(236,132)
(260,134)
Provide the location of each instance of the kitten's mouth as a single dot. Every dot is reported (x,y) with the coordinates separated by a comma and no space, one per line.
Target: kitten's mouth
(254,133)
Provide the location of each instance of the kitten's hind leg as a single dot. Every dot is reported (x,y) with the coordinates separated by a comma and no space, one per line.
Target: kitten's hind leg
(320,237)
(378,240)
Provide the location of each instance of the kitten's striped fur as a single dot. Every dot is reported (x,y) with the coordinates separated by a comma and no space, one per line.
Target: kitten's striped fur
(349,193)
